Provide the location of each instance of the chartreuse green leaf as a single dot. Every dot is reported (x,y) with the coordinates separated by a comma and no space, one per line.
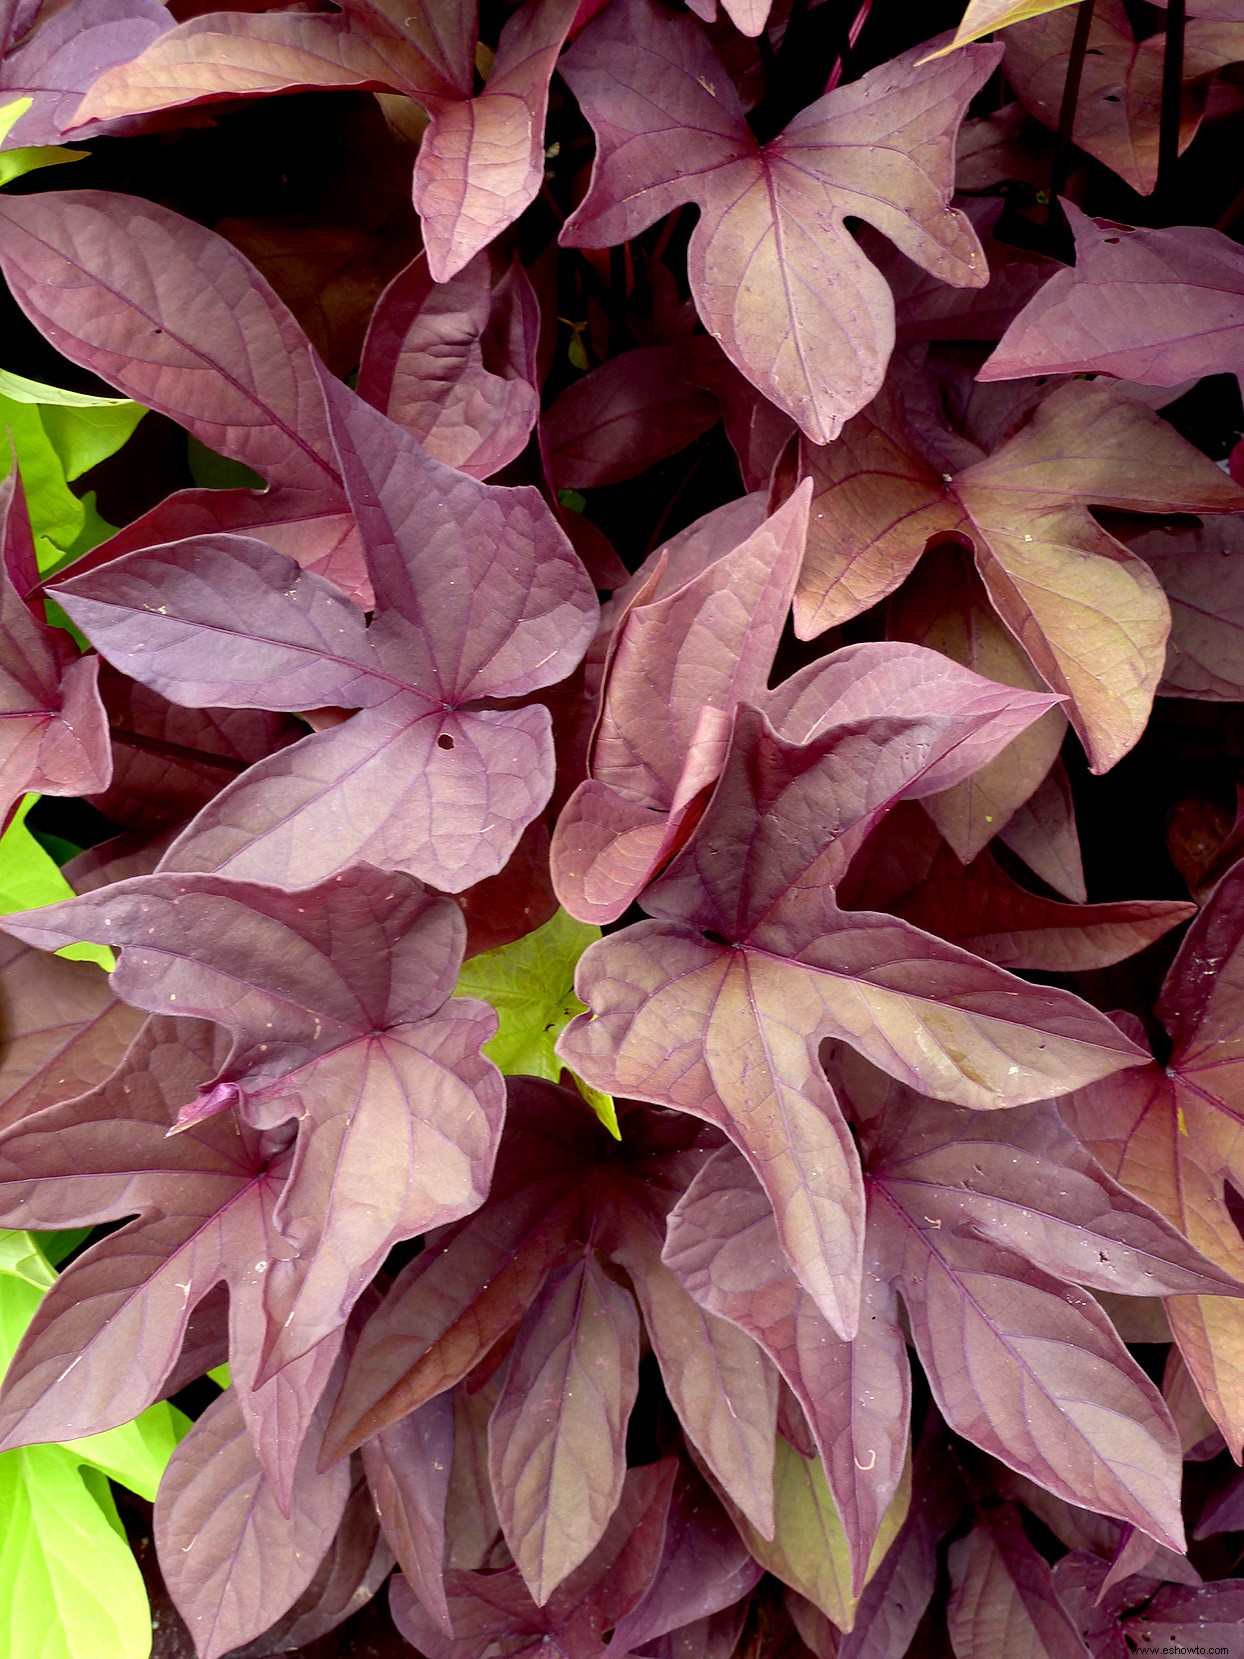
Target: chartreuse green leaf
(984,16)
(808,1549)
(58,436)
(30,878)
(531,985)
(69,1586)
(13,163)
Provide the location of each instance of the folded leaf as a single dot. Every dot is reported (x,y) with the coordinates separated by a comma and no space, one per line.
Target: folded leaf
(808,1551)
(944,605)
(454,363)
(680,663)
(723,1245)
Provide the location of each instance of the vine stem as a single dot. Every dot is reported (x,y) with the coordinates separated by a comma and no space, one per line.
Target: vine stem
(1172,94)
(177,751)
(1063,144)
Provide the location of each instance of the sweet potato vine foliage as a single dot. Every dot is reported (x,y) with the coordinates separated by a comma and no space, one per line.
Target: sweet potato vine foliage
(622,875)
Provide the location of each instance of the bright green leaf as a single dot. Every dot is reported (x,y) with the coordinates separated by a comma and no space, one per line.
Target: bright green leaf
(984,16)
(23,390)
(21,1258)
(56,847)
(69,1586)
(56,1246)
(531,985)
(136,1453)
(219,472)
(13,163)
(59,436)
(220,1375)
(30,877)
(808,1550)
(9,113)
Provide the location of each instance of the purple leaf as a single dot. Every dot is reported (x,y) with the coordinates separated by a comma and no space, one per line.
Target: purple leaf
(631,412)
(1004,1593)
(481,160)
(478,597)
(489,1608)
(557,1438)
(1174,1138)
(453,1303)
(64,1030)
(777,278)
(55,729)
(1056,579)
(723,1244)
(115,1319)
(408,1469)
(944,605)
(226,621)
(895,1597)
(454,363)
(176,318)
(561,1188)
(1120,95)
(1033,1372)
(360,1048)
(929,310)
(1207,1614)
(680,664)
(167,761)
(357,1564)
(704,1569)
(63,54)
(1158,306)
(907,869)
(1201,571)
(317,530)
(722,1388)
(1080,1581)
(728,1027)
(1043,834)
(233,1562)
(1022,1181)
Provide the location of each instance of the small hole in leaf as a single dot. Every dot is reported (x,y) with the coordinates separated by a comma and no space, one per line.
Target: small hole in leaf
(1113,241)
(1112,98)
(444,741)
